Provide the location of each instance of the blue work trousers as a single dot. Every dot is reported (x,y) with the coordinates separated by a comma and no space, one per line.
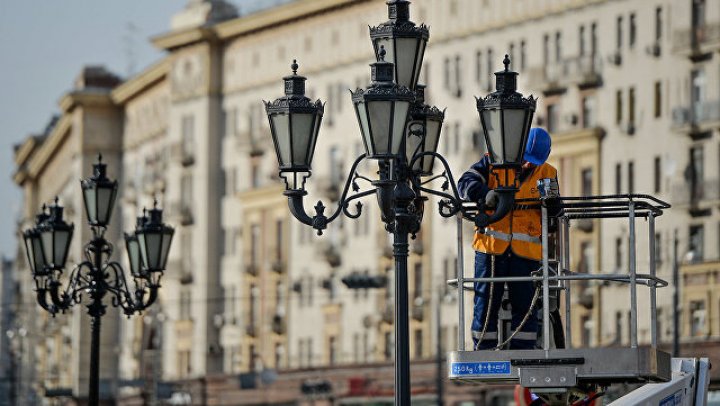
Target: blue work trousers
(521,294)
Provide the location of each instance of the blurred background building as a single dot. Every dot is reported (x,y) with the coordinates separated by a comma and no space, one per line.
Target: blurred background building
(252,310)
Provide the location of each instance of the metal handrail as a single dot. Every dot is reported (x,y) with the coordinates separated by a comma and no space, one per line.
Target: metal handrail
(630,206)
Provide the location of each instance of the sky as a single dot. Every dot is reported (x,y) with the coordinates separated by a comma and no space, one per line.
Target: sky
(43,46)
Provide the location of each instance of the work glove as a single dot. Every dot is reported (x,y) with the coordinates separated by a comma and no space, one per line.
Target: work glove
(491,199)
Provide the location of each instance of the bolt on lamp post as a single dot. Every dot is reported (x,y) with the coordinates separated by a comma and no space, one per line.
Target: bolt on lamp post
(48,243)
(401,133)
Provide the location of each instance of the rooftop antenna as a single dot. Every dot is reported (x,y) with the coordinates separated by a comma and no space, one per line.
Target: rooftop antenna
(130,45)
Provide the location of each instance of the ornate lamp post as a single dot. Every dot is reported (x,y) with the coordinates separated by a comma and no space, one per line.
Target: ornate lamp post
(401,133)
(47,245)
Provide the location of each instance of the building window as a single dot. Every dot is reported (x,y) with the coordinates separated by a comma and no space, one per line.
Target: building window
(185,304)
(658,99)
(697,318)
(618,253)
(489,55)
(618,107)
(633,31)
(657,178)
(658,248)
(658,24)
(618,33)
(254,245)
(446,74)
(458,76)
(558,47)
(618,327)
(546,49)
(388,346)
(587,182)
(618,179)
(418,280)
(523,55)
(255,174)
(511,52)
(478,67)
(332,350)
(593,40)
(697,173)
(588,109)
(697,93)
(696,243)
(587,259)
(418,344)
(631,177)
(631,106)
(586,330)
(581,40)
(698,17)
(188,136)
(552,117)
(279,227)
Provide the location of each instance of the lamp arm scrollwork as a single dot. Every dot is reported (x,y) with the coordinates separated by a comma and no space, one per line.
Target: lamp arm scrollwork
(320,221)
(450,204)
(131,302)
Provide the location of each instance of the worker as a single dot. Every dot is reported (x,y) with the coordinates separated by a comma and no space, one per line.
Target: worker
(510,247)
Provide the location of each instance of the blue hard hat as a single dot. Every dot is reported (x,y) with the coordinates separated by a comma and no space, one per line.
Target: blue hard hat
(538,145)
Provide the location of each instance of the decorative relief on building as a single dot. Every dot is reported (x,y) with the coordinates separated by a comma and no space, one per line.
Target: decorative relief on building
(189,75)
(147,118)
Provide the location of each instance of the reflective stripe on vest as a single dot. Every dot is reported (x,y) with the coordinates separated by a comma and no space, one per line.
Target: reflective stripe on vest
(515,236)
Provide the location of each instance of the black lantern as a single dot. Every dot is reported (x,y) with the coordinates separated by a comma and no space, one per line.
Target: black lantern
(382,111)
(154,240)
(99,194)
(403,41)
(294,124)
(506,116)
(33,246)
(133,250)
(424,133)
(55,236)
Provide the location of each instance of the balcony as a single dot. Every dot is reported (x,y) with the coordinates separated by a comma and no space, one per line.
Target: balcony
(418,310)
(278,325)
(583,71)
(696,42)
(697,118)
(186,216)
(278,266)
(251,330)
(696,196)
(252,269)
(388,314)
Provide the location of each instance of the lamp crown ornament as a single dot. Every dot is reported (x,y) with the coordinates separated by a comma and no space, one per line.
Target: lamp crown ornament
(295,84)
(398,10)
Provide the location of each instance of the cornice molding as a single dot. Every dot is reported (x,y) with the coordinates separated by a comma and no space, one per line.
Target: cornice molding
(50,146)
(177,39)
(279,15)
(145,79)
(86,98)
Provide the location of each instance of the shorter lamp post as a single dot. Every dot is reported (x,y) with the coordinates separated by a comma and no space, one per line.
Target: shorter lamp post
(48,243)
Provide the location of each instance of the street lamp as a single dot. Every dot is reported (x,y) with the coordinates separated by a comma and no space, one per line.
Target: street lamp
(47,245)
(401,133)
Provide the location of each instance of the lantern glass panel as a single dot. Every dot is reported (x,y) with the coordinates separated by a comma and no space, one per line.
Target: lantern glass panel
(364,127)
(150,245)
(47,243)
(105,200)
(406,50)
(62,242)
(90,196)
(302,134)
(389,45)
(399,123)
(167,239)
(514,125)
(133,251)
(494,134)
(411,147)
(380,115)
(281,129)
(418,63)
(432,137)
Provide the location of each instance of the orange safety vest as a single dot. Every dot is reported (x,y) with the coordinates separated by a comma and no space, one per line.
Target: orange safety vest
(520,229)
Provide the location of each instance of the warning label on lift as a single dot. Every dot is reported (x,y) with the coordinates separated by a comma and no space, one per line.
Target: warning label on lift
(673,400)
(482,368)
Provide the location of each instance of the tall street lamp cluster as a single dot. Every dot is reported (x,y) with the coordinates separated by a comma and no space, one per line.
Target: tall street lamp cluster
(48,243)
(401,133)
